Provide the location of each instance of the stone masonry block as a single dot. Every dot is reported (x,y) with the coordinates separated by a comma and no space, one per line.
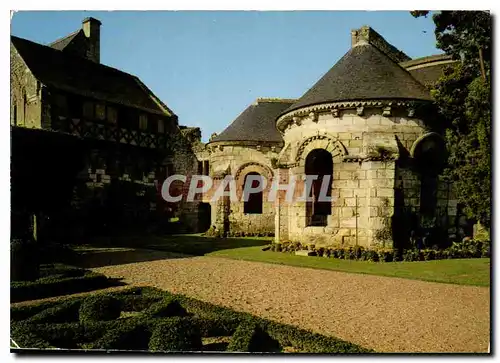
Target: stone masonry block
(385,192)
(346,192)
(348,212)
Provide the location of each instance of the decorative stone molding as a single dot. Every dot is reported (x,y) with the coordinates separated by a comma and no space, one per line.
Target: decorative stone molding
(297,121)
(326,142)
(411,112)
(387,111)
(360,110)
(313,116)
(294,116)
(261,168)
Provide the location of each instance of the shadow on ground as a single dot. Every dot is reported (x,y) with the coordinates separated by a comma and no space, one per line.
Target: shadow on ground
(130,249)
(93,257)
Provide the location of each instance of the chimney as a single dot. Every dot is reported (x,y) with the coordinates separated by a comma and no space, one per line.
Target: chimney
(366,35)
(92,30)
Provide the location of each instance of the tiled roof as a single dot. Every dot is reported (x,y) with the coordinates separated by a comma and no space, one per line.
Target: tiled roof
(256,123)
(70,73)
(363,73)
(427,70)
(61,43)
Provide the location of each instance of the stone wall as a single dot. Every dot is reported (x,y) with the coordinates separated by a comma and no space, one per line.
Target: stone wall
(25,95)
(366,177)
(239,159)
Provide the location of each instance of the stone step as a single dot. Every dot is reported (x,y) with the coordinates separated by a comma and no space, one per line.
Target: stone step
(305,253)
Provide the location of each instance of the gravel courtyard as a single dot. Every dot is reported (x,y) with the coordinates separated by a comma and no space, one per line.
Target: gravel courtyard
(382,313)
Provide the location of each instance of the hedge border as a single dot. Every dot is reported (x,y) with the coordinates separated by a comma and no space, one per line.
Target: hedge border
(466,249)
(210,320)
(52,285)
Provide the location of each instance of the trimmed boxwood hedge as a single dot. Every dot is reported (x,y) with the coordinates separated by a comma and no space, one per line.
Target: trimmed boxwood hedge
(249,337)
(99,308)
(58,280)
(129,335)
(143,331)
(465,249)
(65,312)
(176,334)
(24,260)
(165,308)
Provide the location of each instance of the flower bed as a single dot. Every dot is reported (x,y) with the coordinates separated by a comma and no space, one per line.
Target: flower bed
(148,319)
(465,249)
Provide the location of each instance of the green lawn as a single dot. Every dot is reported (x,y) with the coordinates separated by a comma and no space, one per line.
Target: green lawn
(474,271)
(455,271)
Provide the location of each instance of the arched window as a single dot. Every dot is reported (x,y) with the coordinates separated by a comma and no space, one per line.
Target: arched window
(253,204)
(430,155)
(319,162)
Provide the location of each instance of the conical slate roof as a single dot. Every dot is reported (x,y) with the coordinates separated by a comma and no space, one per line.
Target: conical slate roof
(363,73)
(256,123)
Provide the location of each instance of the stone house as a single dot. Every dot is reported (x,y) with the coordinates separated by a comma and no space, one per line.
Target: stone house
(369,122)
(248,146)
(130,140)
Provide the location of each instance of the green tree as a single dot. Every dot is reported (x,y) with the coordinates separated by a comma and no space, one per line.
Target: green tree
(463,98)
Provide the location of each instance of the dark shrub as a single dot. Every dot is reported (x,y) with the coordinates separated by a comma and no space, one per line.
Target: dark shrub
(63,313)
(54,286)
(137,303)
(214,327)
(99,308)
(363,255)
(438,254)
(176,334)
(129,335)
(307,341)
(249,337)
(22,334)
(349,254)
(429,255)
(358,250)
(486,250)
(60,271)
(409,255)
(24,260)
(166,308)
(320,251)
(341,253)
(372,255)
(386,256)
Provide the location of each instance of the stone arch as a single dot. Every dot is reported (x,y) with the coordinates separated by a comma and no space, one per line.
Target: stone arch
(251,167)
(422,139)
(429,158)
(325,142)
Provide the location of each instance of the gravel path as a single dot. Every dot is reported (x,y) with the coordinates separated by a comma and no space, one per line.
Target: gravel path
(382,313)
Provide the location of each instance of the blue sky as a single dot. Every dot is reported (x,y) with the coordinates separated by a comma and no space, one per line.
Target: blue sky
(209,66)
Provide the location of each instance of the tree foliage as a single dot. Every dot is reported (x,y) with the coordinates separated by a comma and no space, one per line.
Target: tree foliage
(463,98)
